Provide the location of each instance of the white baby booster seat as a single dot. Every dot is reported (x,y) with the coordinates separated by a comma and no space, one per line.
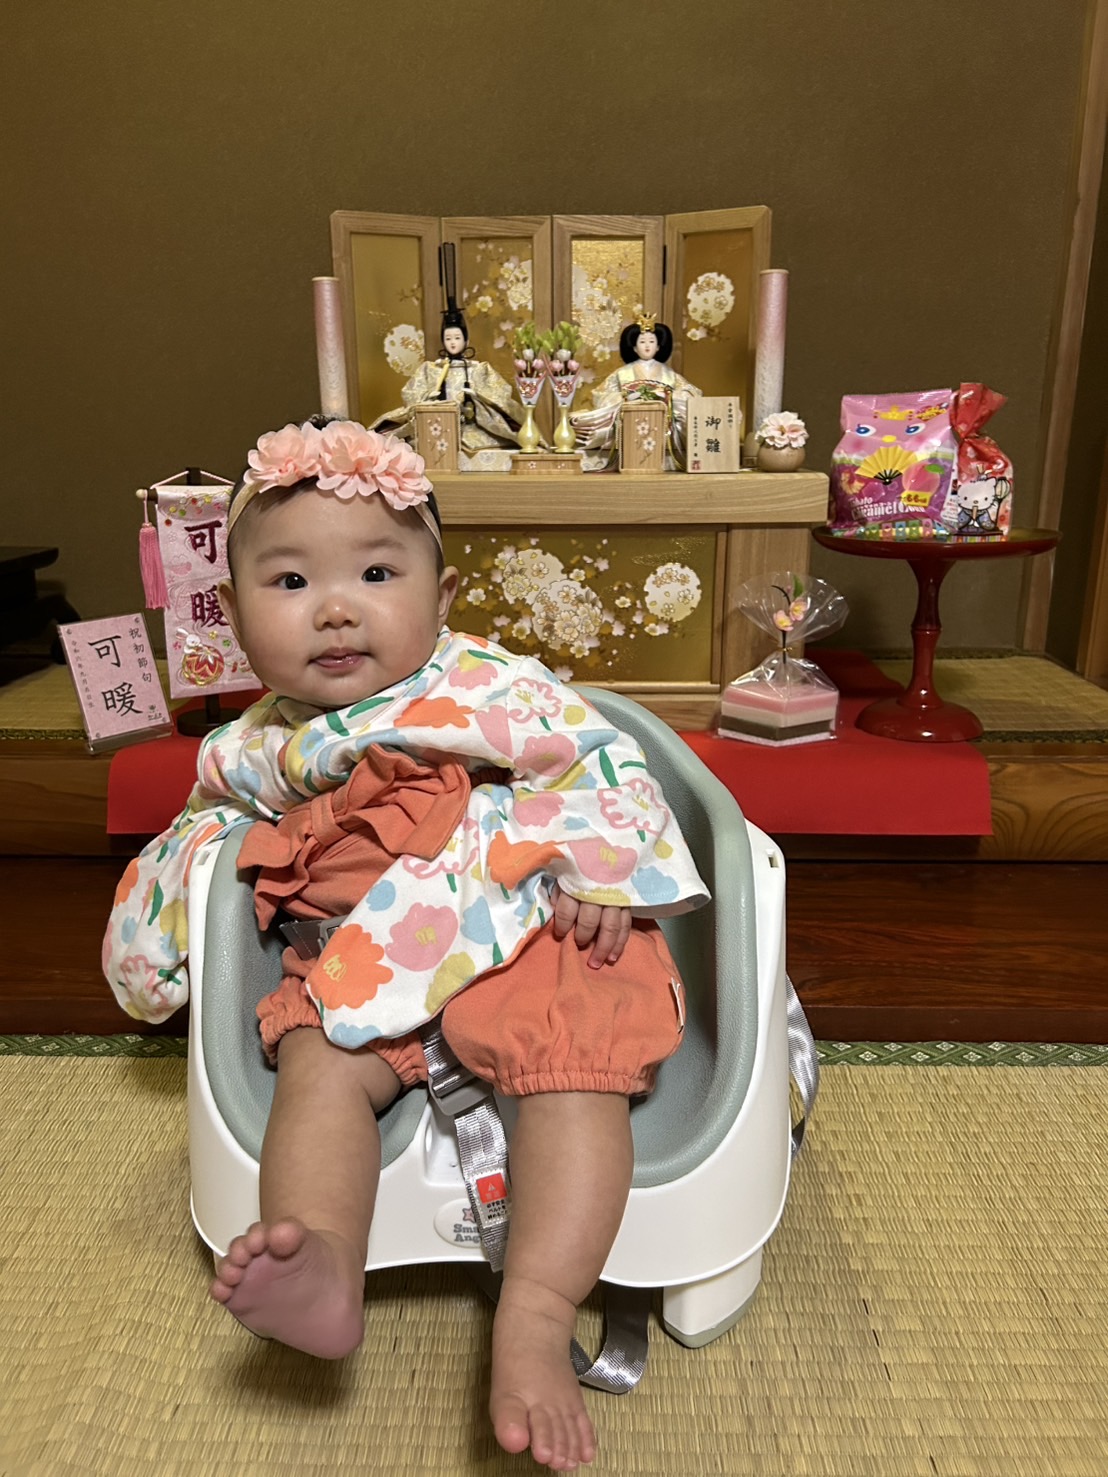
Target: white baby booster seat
(713,1143)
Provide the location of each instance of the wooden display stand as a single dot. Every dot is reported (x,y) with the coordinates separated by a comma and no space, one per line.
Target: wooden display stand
(642,436)
(438,434)
(546,463)
(760,520)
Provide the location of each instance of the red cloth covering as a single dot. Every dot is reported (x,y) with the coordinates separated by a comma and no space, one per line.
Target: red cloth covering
(854,785)
(148,784)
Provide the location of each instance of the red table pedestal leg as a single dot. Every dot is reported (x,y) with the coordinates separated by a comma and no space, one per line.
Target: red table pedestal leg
(919,713)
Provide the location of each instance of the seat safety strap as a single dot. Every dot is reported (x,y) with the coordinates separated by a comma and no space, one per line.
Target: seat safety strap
(482,1145)
(803,1061)
(619,1366)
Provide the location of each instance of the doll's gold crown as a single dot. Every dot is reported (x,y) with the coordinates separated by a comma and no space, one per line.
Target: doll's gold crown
(646,322)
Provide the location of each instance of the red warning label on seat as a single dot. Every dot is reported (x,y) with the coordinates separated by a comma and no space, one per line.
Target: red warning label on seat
(491,1188)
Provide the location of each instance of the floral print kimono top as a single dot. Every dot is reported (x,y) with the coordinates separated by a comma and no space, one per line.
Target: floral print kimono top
(581,810)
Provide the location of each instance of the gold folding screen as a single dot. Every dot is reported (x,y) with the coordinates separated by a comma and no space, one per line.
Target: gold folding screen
(699,272)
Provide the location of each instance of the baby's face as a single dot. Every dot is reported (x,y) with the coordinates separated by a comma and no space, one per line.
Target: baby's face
(334,600)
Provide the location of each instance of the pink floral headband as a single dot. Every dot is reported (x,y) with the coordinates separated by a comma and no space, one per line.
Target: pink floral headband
(343,458)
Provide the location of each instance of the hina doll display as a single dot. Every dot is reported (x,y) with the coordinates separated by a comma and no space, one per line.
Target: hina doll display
(490,417)
(644,347)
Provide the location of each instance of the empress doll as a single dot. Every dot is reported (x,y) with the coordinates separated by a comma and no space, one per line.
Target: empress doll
(490,417)
(644,347)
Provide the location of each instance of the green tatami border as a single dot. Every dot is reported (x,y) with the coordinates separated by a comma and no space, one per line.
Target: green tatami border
(831,1053)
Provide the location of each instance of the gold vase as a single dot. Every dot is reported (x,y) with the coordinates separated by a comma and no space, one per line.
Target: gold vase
(565,437)
(529,388)
(528,432)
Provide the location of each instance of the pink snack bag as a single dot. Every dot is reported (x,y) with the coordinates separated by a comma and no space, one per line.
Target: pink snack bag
(980,502)
(892,469)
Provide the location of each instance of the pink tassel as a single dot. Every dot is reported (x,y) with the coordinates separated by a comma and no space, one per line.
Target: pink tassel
(150,562)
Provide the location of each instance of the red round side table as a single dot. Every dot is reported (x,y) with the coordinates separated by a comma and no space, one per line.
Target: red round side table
(919,714)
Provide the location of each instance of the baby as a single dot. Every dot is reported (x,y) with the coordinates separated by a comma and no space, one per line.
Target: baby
(497,853)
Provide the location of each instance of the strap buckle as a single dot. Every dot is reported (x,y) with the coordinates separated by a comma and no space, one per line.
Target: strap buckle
(457,1091)
(310,936)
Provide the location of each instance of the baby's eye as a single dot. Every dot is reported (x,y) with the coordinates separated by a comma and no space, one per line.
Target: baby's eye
(291,582)
(376,574)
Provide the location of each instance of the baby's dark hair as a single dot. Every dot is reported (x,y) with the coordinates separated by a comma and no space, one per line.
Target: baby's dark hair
(631,335)
(277,495)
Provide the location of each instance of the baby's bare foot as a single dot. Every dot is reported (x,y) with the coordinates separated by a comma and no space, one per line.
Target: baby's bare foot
(288,1283)
(535,1400)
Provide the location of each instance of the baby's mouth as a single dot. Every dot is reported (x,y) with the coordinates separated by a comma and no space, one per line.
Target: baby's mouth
(339,661)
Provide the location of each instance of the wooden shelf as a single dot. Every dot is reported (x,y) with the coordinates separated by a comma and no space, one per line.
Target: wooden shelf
(739,500)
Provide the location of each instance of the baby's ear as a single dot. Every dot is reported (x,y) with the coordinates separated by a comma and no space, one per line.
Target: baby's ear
(448,588)
(229,605)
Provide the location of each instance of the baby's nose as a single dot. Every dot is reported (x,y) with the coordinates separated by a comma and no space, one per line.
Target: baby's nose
(335,609)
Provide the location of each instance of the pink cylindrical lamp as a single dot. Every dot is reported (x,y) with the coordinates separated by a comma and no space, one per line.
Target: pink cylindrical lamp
(329,347)
(769,363)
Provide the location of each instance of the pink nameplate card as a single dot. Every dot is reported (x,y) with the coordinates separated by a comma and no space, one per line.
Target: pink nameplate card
(117,682)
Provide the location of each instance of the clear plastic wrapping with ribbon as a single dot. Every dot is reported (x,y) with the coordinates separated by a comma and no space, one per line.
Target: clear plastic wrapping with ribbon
(785,699)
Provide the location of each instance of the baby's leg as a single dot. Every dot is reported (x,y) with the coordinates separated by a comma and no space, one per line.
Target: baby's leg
(571,1163)
(298,1274)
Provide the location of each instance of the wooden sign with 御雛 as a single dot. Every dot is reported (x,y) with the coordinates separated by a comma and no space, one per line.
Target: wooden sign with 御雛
(714,436)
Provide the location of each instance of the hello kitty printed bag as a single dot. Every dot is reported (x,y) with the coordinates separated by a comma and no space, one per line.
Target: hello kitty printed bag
(980,501)
(892,469)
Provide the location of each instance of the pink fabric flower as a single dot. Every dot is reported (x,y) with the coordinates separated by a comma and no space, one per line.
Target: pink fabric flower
(283,458)
(601,861)
(422,937)
(634,806)
(531,699)
(547,753)
(144,986)
(354,460)
(531,809)
(473,674)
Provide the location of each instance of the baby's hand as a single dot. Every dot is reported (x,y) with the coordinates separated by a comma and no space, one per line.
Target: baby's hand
(610,927)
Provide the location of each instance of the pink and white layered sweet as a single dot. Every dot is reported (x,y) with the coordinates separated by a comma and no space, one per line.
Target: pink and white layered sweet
(776,705)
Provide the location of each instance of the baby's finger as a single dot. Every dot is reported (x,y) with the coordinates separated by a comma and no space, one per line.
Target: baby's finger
(565,912)
(624,935)
(588,921)
(607,937)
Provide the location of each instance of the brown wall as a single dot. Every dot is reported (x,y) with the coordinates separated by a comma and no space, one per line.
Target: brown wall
(173,170)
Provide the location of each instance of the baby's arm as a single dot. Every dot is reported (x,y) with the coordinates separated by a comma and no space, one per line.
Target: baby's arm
(610,927)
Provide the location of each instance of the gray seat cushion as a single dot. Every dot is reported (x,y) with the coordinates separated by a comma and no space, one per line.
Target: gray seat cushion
(699,1091)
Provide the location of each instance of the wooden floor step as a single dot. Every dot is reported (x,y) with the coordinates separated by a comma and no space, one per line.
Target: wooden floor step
(956,951)
(906,951)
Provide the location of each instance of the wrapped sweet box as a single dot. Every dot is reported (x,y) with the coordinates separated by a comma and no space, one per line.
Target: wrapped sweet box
(893,465)
(916,466)
(786,699)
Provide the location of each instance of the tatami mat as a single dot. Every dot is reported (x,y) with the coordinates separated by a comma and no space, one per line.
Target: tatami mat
(44,705)
(1011,695)
(934,1303)
(1017,695)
